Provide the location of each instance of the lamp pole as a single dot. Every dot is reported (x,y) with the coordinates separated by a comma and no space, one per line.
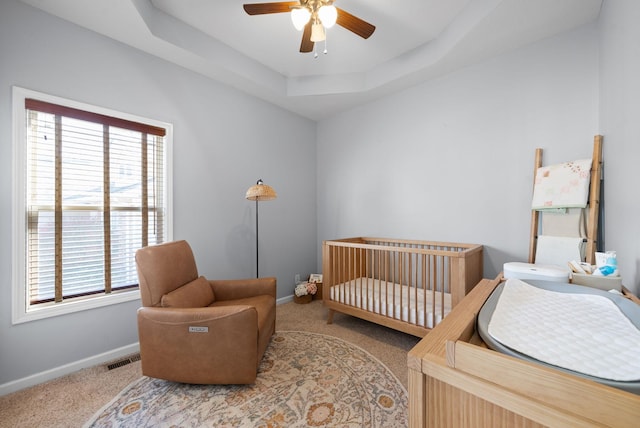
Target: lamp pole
(257,251)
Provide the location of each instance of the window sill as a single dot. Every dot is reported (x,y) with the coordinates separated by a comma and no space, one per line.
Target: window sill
(72,306)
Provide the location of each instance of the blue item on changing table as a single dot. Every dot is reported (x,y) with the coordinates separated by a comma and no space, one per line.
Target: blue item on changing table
(610,265)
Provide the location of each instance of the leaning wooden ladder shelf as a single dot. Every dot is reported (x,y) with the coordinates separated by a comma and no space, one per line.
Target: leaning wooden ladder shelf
(593,207)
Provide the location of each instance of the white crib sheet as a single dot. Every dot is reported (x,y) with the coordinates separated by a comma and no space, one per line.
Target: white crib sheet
(393,300)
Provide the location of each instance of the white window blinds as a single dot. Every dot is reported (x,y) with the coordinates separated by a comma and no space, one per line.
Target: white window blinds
(94,196)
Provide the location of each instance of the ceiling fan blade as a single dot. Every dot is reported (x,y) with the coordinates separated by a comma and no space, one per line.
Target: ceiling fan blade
(306,45)
(264,8)
(355,24)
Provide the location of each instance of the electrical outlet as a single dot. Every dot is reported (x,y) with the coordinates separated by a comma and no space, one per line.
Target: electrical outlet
(297,278)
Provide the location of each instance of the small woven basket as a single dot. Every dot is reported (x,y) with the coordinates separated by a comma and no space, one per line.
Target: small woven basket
(303,299)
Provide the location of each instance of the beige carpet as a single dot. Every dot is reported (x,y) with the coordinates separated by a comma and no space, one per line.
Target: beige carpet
(71,400)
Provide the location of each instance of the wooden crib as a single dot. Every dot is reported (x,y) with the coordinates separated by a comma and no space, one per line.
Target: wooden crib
(406,285)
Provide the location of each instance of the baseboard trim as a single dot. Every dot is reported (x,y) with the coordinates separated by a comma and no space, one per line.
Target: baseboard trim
(284,299)
(56,372)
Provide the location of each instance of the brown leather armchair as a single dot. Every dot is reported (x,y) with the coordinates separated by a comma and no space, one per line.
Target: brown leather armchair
(194,330)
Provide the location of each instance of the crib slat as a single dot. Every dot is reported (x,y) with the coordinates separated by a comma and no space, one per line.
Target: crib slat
(393,279)
(352,262)
(424,287)
(414,288)
(398,285)
(433,289)
(389,297)
(442,287)
(363,292)
(378,277)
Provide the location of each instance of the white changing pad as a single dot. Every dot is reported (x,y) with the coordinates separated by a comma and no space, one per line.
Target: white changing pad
(580,332)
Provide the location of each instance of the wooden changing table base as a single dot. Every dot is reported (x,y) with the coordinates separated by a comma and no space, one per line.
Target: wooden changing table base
(629,295)
(455,381)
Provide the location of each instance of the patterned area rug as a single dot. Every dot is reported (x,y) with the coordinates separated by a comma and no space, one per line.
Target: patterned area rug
(305,379)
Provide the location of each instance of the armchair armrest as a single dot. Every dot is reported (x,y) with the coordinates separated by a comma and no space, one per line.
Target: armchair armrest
(199,345)
(231,289)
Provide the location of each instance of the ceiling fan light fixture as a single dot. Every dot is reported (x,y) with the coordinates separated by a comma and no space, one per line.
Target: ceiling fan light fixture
(313,17)
(317,32)
(328,14)
(300,16)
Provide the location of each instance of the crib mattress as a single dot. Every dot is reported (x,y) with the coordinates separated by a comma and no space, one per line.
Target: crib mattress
(583,331)
(393,300)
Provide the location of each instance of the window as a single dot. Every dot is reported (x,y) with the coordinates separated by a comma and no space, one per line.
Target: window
(91,188)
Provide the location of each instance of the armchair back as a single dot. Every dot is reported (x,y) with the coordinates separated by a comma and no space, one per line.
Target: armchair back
(163,268)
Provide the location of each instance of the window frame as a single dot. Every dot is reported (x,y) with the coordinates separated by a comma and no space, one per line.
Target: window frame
(21,310)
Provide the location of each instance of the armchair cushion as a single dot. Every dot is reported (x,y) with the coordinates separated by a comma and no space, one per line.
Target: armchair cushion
(194,294)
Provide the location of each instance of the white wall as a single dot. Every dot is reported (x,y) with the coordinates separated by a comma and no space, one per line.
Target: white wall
(452,159)
(224,141)
(620,124)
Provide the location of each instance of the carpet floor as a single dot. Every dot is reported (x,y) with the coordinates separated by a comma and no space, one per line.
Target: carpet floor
(70,401)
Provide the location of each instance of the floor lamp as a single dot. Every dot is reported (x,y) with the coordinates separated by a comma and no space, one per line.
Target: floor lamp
(260,192)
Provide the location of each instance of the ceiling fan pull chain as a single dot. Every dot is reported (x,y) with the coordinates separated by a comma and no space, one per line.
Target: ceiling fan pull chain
(325,46)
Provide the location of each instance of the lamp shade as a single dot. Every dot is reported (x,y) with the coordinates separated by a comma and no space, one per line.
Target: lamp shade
(328,15)
(261,192)
(300,16)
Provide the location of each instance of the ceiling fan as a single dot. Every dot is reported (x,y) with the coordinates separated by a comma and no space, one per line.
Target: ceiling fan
(314,16)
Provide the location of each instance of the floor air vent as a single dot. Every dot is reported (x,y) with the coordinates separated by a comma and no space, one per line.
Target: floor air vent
(124,362)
